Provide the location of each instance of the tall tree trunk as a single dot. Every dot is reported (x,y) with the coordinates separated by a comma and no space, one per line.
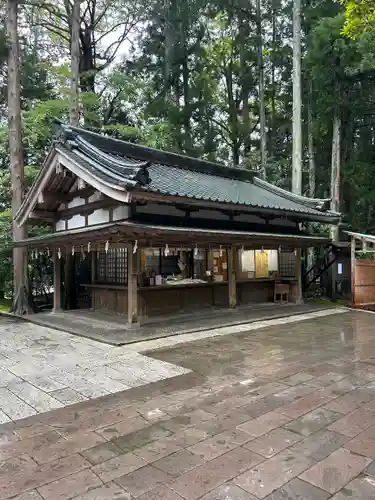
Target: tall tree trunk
(233,115)
(311,155)
(335,169)
(262,104)
(310,144)
(172,72)
(168,52)
(272,135)
(185,85)
(245,83)
(20,304)
(297,118)
(74,57)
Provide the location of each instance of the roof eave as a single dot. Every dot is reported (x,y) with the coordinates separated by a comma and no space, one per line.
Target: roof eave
(324,217)
(26,207)
(315,203)
(138,229)
(115,191)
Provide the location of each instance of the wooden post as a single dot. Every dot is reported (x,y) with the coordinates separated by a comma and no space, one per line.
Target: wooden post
(94,258)
(93,266)
(298,294)
(68,281)
(352,264)
(56,282)
(210,263)
(132,285)
(232,287)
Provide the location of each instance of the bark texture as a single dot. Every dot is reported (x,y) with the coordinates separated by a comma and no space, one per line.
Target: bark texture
(75,57)
(335,169)
(311,158)
(20,302)
(262,104)
(297,118)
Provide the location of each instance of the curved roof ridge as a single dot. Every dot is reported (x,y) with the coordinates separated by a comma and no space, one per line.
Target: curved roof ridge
(118,160)
(146,153)
(136,171)
(316,203)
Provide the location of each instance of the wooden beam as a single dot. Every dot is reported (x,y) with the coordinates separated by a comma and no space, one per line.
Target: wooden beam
(56,282)
(55,197)
(66,197)
(186,208)
(86,208)
(44,215)
(232,287)
(132,285)
(214,205)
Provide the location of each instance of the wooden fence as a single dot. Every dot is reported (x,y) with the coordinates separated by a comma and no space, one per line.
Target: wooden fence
(363,282)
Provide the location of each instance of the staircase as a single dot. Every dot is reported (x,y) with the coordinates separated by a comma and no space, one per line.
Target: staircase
(312,276)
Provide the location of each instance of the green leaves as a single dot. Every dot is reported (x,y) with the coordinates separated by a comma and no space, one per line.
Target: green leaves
(359,17)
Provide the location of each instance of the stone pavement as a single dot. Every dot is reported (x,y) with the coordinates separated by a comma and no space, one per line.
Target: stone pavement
(42,369)
(112,330)
(284,412)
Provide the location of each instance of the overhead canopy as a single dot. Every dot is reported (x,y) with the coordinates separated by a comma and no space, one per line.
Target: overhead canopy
(122,171)
(152,235)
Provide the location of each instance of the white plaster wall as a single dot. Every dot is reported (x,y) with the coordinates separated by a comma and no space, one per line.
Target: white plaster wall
(60,225)
(76,221)
(121,212)
(98,217)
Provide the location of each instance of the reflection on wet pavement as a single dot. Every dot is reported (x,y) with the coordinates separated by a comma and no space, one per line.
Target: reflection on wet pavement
(279,413)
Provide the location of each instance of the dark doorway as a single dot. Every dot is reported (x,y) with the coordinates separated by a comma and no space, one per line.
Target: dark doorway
(77,274)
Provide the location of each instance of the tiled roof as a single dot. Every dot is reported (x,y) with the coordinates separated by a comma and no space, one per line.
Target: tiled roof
(146,169)
(177,182)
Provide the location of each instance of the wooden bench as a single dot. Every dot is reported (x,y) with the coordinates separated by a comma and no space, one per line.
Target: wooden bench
(282,290)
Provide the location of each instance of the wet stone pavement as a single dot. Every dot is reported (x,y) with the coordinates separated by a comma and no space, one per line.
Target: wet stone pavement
(283,412)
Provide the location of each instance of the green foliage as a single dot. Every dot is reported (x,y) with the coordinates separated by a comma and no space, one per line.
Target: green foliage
(184,76)
(365,255)
(5,185)
(359,17)
(6,274)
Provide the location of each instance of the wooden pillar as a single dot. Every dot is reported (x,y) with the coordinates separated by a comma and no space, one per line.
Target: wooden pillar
(56,282)
(352,265)
(68,281)
(298,293)
(232,287)
(94,256)
(132,285)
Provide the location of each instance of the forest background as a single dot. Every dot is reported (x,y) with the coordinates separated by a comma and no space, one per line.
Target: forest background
(212,79)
